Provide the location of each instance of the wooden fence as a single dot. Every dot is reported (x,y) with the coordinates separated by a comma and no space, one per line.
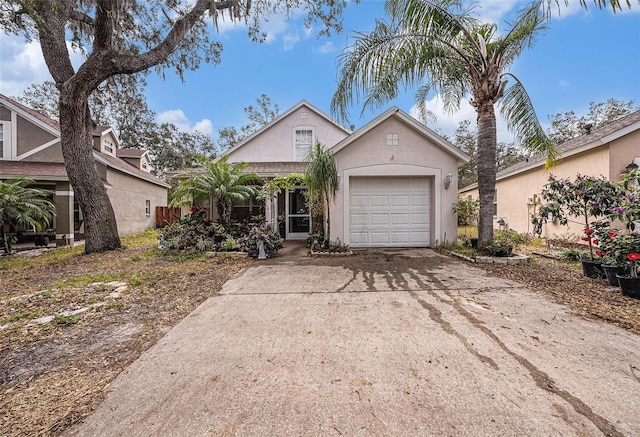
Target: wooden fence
(165,215)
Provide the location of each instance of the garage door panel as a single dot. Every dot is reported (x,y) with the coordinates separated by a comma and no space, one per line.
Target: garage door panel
(420,200)
(400,219)
(359,201)
(358,219)
(400,200)
(389,211)
(376,200)
(378,238)
(379,219)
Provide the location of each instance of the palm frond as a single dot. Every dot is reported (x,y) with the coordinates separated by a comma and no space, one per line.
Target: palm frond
(516,107)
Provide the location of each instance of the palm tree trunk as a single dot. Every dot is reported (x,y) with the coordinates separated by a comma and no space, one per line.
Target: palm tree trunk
(76,139)
(487,142)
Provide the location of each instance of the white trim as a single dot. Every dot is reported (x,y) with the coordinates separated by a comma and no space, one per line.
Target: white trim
(109,164)
(621,132)
(398,170)
(64,193)
(7,139)
(38,149)
(17,110)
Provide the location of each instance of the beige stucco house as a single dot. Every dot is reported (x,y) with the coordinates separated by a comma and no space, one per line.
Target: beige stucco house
(606,151)
(397,178)
(30,146)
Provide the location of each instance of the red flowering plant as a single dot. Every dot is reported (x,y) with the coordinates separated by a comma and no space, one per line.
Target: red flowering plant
(624,251)
(587,200)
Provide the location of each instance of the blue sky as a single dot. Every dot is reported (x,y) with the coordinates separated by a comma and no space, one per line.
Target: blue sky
(583,56)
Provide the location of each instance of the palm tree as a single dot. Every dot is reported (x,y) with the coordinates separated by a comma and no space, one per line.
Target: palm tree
(322,177)
(20,204)
(442,46)
(218,179)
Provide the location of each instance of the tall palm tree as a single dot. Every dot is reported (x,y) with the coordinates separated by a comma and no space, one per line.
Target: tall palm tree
(218,179)
(322,177)
(21,204)
(441,47)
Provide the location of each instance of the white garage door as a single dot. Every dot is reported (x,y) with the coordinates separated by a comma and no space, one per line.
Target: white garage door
(389,211)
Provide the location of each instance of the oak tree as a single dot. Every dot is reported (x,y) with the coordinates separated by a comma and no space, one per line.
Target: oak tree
(122,37)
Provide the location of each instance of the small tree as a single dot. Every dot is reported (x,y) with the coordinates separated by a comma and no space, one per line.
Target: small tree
(467,209)
(587,198)
(218,179)
(322,177)
(20,204)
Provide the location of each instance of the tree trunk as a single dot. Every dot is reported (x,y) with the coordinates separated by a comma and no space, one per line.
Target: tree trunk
(487,142)
(76,130)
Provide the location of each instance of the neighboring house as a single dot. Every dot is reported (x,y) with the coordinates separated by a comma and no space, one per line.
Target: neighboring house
(30,146)
(606,151)
(398,179)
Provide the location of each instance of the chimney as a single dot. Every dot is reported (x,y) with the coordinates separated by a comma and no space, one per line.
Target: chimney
(587,128)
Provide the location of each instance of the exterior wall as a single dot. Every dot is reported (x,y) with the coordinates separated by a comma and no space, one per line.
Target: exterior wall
(415,155)
(50,154)
(63,200)
(276,143)
(608,160)
(5,113)
(128,196)
(30,136)
(622,152)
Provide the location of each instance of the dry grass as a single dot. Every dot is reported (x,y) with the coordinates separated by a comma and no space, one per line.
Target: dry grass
(54,374)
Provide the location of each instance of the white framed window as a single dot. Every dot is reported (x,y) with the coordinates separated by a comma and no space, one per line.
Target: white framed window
(147,207)
(5,139)
(144,166)
(108,146)
(393,139)
(303,140)
(495,203)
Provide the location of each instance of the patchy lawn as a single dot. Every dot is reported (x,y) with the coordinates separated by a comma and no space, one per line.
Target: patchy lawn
(70,323)
(564,283)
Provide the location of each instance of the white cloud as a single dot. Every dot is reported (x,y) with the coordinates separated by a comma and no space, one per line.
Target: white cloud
(493,11)
(326,48)
(22,64)
(447,123)
(205,126)
(290,40)
(178,118)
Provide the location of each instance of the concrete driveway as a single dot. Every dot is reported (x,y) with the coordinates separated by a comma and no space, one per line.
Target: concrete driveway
(386,343)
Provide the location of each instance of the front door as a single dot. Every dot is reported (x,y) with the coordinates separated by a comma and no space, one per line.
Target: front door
(298,217)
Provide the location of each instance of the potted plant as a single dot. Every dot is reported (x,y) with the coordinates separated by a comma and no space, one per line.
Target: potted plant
(605,240)
(588,200)
(625,253)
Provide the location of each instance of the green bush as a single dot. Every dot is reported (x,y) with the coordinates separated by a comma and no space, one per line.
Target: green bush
(265,232)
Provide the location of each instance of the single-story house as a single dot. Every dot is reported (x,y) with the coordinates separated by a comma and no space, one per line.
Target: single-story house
(397,178)
(30,146)
(606,151)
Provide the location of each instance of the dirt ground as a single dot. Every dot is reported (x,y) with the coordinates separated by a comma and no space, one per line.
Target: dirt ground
(53,374)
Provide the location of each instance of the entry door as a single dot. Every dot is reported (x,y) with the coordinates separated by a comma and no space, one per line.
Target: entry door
(298,217)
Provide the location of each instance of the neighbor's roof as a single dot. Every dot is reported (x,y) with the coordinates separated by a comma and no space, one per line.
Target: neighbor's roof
(130,153)
(598,137)
(125,167)
(52,171)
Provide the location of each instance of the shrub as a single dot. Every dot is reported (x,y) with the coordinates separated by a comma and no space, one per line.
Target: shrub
(262,232)
(503,243)
(194,230)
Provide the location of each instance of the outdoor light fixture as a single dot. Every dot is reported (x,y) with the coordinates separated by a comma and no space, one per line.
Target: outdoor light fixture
(447,181)
(631,167)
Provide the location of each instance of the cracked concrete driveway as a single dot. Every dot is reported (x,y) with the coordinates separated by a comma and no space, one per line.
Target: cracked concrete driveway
(393,343)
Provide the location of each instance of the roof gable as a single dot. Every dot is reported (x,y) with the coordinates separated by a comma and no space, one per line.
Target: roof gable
(279,119)
(409,121)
